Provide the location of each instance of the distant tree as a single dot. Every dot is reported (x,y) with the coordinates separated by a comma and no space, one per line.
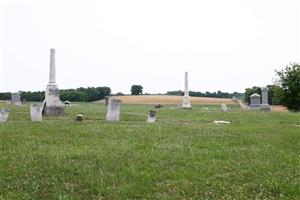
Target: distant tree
(289,81)
(175,93)
(136,90)
(5,96)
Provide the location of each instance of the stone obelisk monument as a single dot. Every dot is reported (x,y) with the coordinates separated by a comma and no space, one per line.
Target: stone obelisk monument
(52,105)
(186,104)
(265,100)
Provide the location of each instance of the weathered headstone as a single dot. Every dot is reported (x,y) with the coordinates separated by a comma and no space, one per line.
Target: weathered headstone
(186,104)
(224,108)
(79,117)
(36,113)
(4,112)
(255,103)
(265,100)
(16,98)
(52,103)
(151,116)
(113,110)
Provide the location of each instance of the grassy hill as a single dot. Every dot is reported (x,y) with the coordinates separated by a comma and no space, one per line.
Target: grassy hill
(182,156)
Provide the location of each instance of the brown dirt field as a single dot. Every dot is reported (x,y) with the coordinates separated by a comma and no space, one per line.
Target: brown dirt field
(165,99)
(279,109)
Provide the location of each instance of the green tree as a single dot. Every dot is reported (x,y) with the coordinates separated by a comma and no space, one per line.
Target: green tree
(136,90)
(289,81)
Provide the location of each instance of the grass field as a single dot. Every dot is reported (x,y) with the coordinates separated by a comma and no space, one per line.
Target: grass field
(182,156)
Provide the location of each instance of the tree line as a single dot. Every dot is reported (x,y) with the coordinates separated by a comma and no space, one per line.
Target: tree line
(217,94)
(79,95)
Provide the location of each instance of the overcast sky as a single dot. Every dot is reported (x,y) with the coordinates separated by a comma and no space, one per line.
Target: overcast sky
(224,45)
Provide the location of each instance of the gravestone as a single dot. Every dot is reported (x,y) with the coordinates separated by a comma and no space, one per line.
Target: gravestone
(79,117)
(224,108)
(265,100)
(36,113)
(4,112)
(255,103)
(186,104)
(67,103)
(16,98)
(151,116)
(113,110)
(52,103)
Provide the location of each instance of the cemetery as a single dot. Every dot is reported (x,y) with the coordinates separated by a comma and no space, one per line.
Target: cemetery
(149,100)
(159,147)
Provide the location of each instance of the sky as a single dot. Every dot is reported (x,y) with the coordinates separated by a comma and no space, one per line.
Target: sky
(224,45)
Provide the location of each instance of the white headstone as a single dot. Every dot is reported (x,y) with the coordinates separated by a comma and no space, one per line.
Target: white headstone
(113,110)
(36,113)
(151,116)
(4,112)
(224,108)
(186,104)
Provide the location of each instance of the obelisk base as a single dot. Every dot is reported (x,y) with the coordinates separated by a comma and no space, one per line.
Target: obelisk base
(186,103)
(265,108)
(52,105)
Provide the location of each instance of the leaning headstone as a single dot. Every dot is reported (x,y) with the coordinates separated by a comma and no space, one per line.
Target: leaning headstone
(265,100)
(151,116)
(224,108)
(255,103)
(113,110)
(36,113)
(79,117)
(4,112)
(52,103)
(16,98)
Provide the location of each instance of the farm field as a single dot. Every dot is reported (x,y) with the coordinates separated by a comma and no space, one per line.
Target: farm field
(184,155)
(171,100)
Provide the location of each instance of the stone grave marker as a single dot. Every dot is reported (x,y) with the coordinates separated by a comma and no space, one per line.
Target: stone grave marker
(224,108)
(265,100)
(186,103)
(16,98)
(4,112)
(113,110)
(151,116)
(36,113)
(52,103)
(255,103)
(79,117)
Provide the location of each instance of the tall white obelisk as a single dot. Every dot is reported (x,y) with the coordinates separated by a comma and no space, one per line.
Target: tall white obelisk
(186,104)
(52,103)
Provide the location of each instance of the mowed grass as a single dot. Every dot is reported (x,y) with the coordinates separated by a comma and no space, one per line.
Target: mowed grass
(182,156)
